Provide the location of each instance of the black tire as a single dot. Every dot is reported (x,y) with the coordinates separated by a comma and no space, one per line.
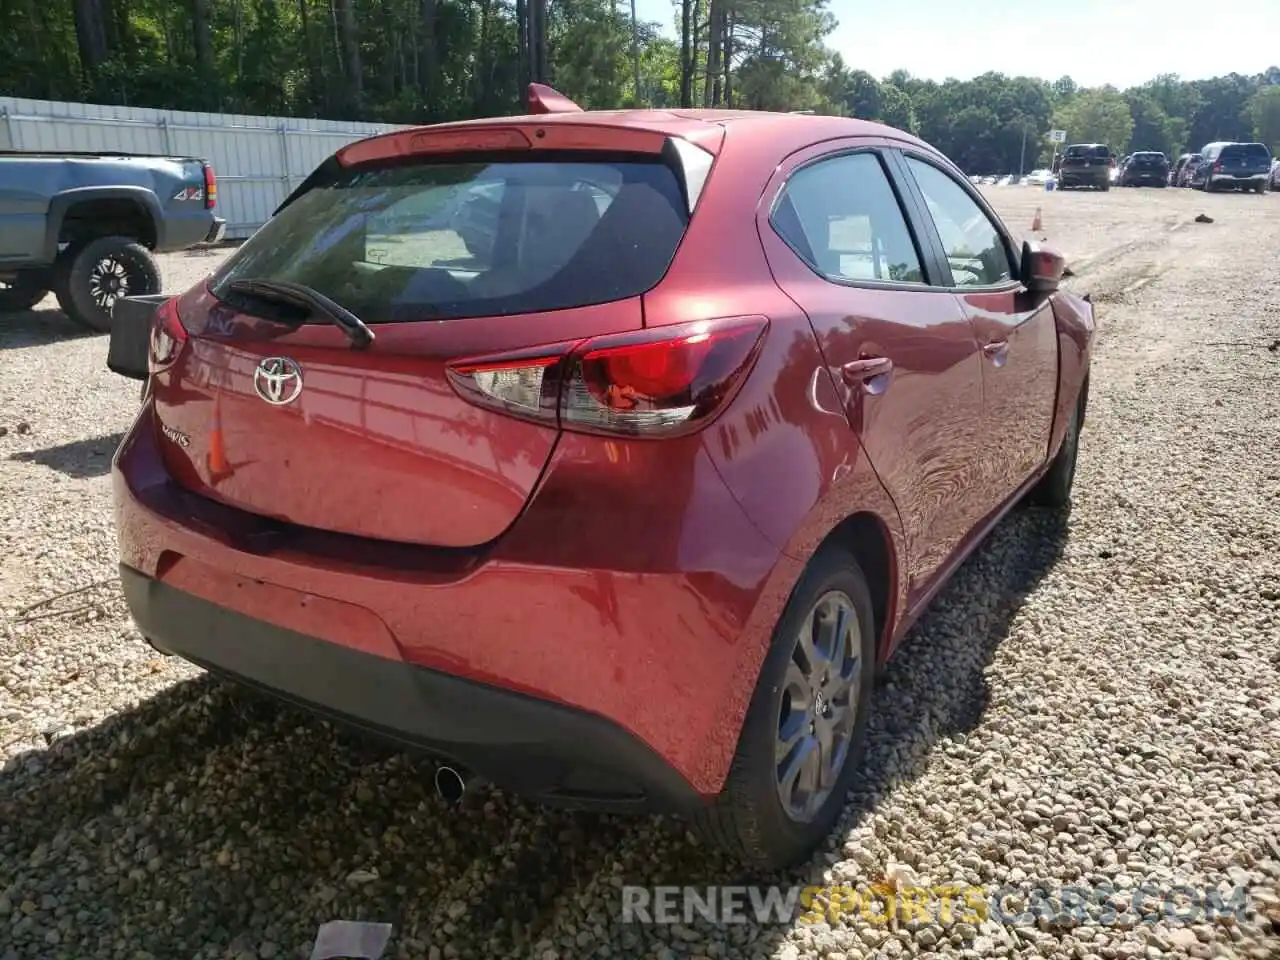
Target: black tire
(1054,488)
(91,276)
(27,289)
(748,819)
(1104,187)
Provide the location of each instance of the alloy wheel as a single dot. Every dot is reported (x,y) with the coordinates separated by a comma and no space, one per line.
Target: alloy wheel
(819,705)
(109,280)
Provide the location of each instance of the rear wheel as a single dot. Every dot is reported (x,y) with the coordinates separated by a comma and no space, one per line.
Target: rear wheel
(804,732)
(23,290)
(90,278)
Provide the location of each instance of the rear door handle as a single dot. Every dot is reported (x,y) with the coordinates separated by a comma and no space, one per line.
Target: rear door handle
(996,352)
(871,373)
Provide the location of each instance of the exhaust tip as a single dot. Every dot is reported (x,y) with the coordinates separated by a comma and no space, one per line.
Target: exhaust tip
(450,785)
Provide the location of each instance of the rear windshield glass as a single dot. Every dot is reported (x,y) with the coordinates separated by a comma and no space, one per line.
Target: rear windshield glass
(1080,152)
(1253,152)
(444,240)
(1149,157)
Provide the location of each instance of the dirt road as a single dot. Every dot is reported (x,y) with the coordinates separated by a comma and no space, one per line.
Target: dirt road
(1092,700)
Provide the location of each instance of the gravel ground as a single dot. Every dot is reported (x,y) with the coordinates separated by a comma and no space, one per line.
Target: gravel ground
(1093,698)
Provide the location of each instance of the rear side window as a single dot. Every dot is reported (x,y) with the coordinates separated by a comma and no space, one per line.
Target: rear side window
(841,216)
(441,240)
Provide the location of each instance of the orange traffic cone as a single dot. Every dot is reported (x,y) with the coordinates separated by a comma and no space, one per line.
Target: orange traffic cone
(1035,222)
(217,459)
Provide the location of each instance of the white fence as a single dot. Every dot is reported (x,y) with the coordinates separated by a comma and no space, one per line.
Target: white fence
(258,160)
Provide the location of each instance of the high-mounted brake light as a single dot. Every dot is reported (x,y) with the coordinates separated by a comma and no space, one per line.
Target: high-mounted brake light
(655,382)
(168,336)
(210,188)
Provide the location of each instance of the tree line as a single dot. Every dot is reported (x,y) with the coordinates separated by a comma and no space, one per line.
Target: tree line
(424,61)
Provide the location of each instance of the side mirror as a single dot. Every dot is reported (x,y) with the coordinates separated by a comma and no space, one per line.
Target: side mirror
(1042,267)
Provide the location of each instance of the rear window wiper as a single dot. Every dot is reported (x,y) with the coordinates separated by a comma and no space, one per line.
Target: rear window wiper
(313,301)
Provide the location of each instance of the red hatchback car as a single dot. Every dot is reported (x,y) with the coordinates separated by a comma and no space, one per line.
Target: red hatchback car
(602,455)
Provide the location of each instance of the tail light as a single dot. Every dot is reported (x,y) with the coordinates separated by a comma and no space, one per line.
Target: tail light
(656,382)
(210,188)
(168,336)
(1217,166)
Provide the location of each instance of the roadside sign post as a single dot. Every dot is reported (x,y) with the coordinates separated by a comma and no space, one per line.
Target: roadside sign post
(1056,137)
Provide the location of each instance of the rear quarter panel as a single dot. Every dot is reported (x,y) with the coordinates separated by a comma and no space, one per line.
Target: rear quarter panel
(166,188)
(784,446)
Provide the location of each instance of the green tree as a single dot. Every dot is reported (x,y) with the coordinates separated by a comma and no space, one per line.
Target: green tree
(422,61)
(1153,129)
(1097,116)
(1264,113)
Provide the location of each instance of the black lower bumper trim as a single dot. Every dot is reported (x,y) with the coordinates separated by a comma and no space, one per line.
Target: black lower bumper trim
(533,747)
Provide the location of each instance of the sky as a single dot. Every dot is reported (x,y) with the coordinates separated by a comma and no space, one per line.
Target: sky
(1121,42)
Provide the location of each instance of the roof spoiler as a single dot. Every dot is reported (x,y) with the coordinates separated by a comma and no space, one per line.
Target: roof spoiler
(543,99)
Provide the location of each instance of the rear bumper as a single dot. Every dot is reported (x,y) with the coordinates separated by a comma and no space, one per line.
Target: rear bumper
(1147,176)
(632,670)
(182,230)
(1241,178)
(1085,175)
(531,746)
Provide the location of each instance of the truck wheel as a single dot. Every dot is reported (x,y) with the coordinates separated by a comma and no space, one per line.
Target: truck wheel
(91,277)
(805,730)
(24,291)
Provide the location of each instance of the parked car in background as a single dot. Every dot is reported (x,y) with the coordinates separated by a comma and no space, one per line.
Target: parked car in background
(1038,178)
(1233,166)
(85,226)
(1180,175)
(1275,174)
(1086,165)
(626,512)
(1145,168)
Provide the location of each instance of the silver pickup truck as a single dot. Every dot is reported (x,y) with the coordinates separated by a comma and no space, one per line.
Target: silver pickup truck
(87,226)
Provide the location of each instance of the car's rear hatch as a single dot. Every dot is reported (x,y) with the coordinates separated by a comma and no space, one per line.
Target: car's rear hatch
(1245,159)
(1149,164)
(1082,158)
(442,255)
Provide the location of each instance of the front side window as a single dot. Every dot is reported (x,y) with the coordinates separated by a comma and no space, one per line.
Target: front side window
(441,240)
(842,217)
(971,243)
